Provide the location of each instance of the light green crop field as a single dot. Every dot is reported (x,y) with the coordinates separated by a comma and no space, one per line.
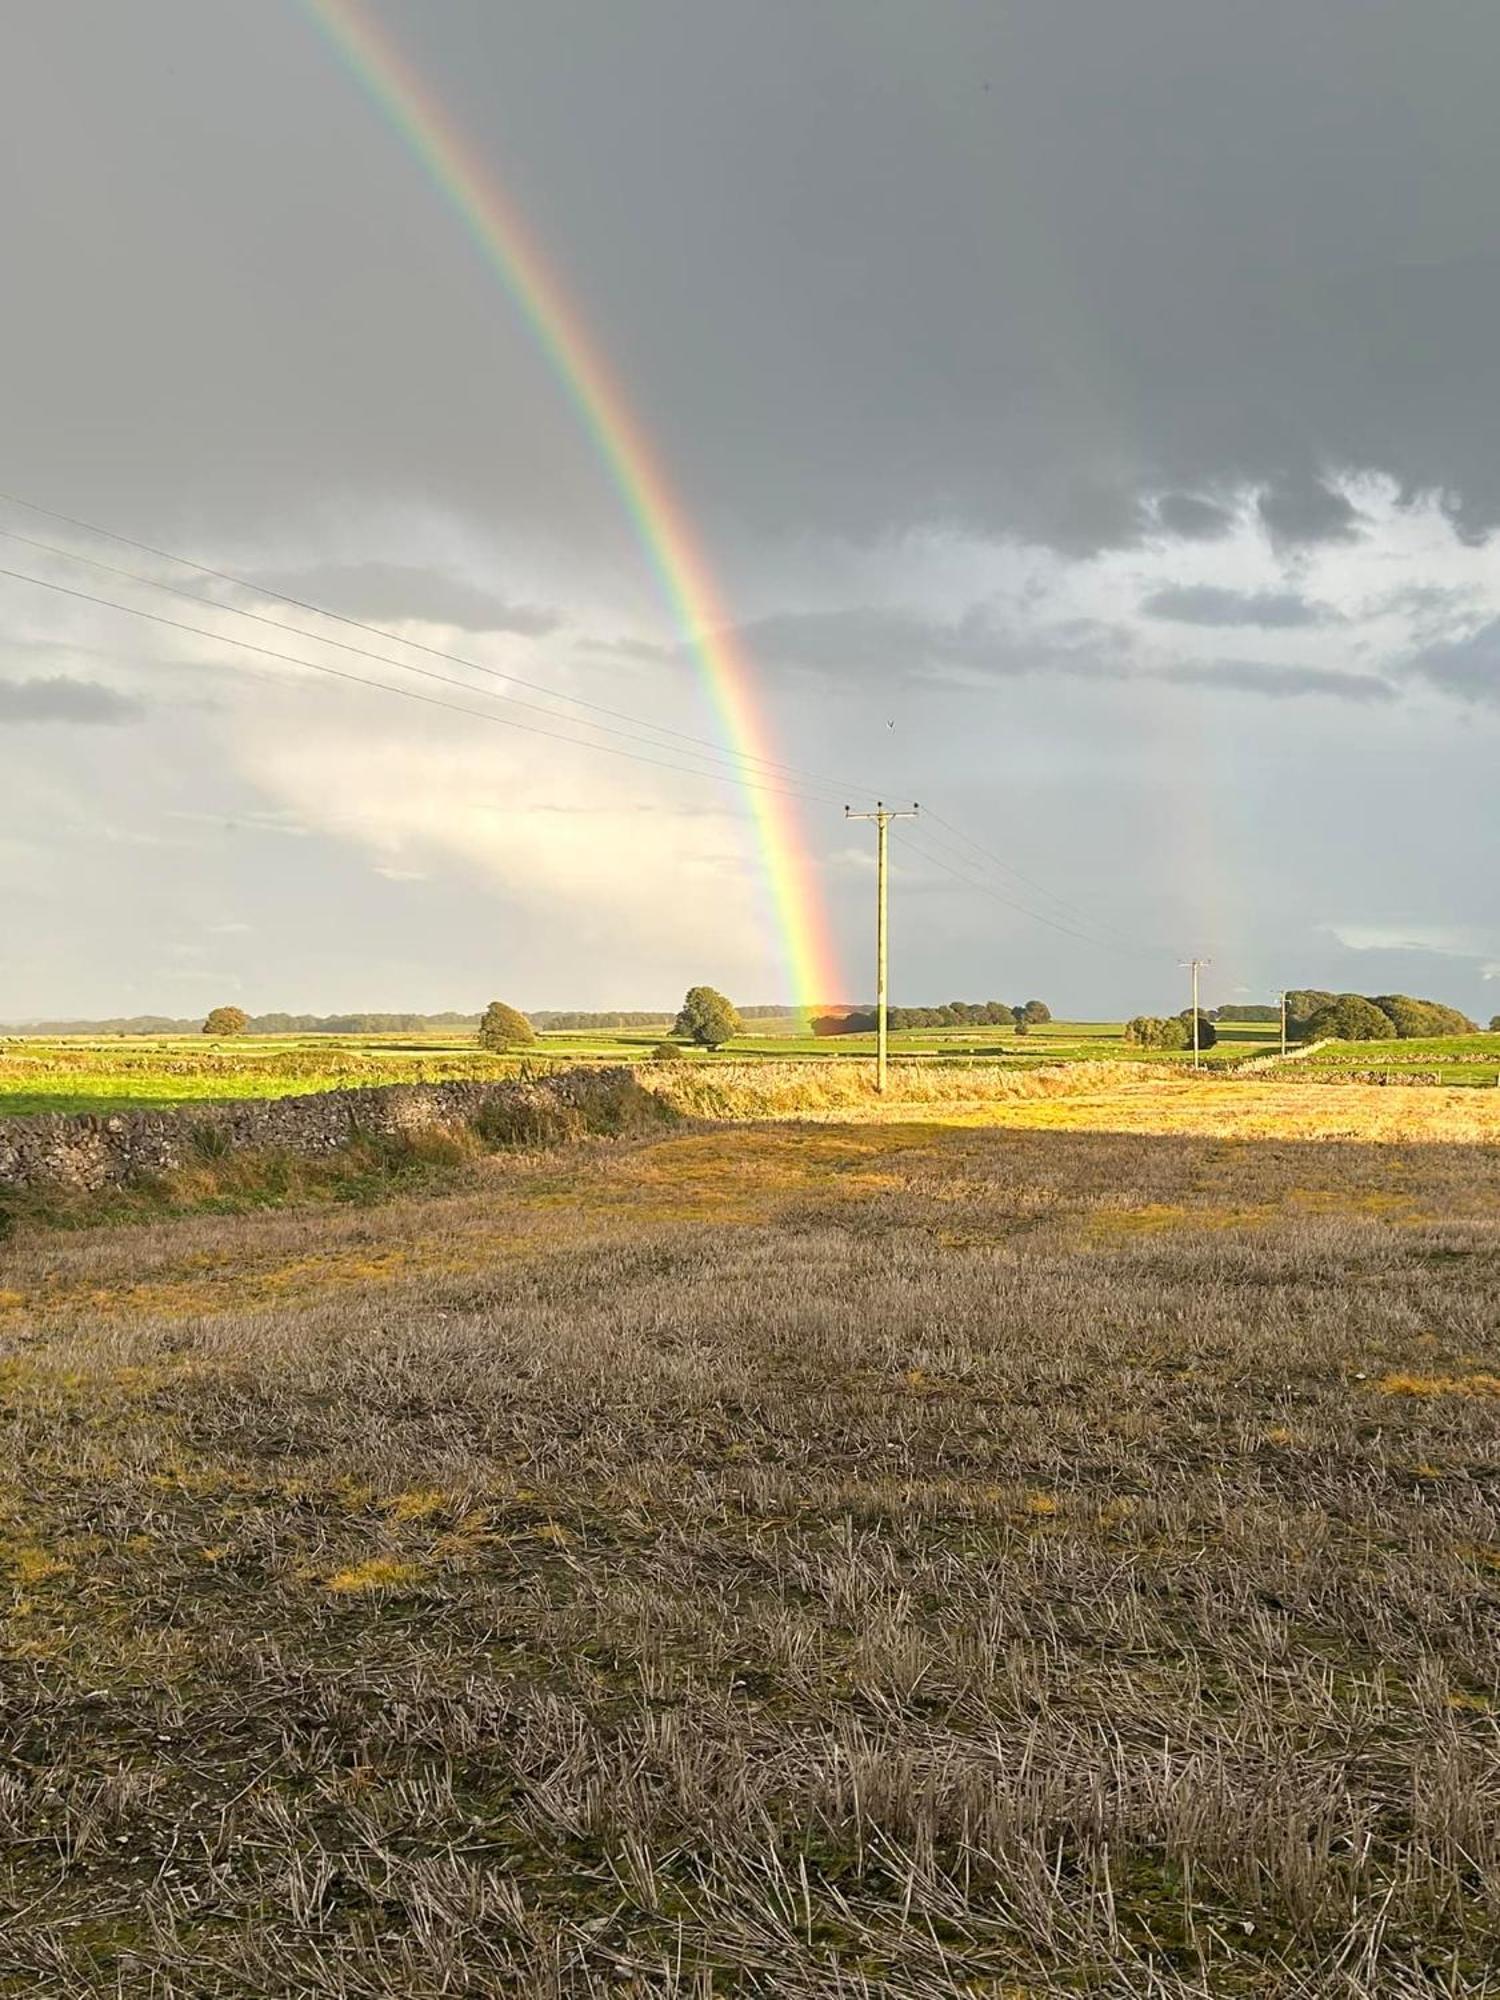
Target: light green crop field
(152,1072)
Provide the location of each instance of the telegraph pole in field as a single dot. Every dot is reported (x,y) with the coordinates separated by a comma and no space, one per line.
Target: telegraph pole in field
(1283,1020)
(882,816)
(1194,964)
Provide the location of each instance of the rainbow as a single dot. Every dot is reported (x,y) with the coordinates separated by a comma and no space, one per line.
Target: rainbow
(655,512)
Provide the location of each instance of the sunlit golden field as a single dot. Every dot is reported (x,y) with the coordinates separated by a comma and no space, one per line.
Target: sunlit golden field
(1039,1544)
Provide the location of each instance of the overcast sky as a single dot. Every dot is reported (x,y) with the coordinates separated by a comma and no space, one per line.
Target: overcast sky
(1091,413)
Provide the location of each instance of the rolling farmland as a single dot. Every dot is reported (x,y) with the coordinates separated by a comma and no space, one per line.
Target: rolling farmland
(78,1073)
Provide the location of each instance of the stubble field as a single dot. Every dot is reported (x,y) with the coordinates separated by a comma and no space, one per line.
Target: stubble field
(1038,1549)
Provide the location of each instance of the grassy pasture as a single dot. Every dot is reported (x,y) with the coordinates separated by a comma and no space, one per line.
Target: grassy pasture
(151,1072)
(1041,1549)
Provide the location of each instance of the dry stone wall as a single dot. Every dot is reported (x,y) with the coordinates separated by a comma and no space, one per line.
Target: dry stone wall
(104,1149)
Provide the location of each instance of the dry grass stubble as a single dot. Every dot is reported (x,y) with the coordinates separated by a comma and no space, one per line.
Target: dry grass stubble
(969,1562)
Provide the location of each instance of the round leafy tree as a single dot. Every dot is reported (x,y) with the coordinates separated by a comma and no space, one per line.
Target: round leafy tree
(1350,1018)
(1036,1012)
(503,1027)
(1149,1031)
(1208,1034)
(226,1021)
(707,1018)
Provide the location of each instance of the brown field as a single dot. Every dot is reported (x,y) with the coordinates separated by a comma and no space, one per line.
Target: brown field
(1043,1546)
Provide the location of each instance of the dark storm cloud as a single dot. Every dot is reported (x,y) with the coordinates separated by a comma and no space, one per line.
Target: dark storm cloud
(1301,512)
(1204,604)
(1267,677)
(1192,518)
(858,266)
(63,699)
(390,593)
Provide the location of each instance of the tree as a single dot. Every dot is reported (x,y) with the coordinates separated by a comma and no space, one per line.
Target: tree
(1411,1018)
(1349,1017)
(226,1021)
(1036,1012)
(503,1027)
(1302,1002)
(1149,1031)
(706,1018)
(1495,1024)
(1208,1034)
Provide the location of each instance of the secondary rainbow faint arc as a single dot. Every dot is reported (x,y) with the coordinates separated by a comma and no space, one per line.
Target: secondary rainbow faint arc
(655,512)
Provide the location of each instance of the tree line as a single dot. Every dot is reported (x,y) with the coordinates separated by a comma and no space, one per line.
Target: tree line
(259,1024)
(952,1014)
(545,1019)
(1314,1016)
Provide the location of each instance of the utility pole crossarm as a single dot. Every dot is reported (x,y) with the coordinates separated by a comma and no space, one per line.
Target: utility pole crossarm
(882,816)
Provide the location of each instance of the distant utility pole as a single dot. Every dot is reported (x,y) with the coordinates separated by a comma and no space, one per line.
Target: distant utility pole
(882,816)
(1194,964)
(1283,1022)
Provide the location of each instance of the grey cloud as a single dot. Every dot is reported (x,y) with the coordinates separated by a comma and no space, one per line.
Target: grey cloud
(872,647)
(64,699)
(1192,518)
(390,593)
(1469,668)
(1299,512)
(1205,604)
(1269,678)
(867,645)
(1434,614)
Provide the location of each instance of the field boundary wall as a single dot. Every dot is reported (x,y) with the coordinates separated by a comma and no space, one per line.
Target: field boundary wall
(90,1150)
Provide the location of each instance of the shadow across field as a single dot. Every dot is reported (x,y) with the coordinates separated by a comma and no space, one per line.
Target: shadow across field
(898,1560)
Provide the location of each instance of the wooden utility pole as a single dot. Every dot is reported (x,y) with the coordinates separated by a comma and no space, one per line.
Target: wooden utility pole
(882,816)
(1283,1020)
(1194,964)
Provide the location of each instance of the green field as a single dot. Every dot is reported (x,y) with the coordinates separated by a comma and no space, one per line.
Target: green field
(1448,1059)
(152,1072)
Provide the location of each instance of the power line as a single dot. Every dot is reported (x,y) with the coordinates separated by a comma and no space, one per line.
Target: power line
(364,652)
(1021,909)
(406,694)
(813,788)
(837,788)
(1078,910)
